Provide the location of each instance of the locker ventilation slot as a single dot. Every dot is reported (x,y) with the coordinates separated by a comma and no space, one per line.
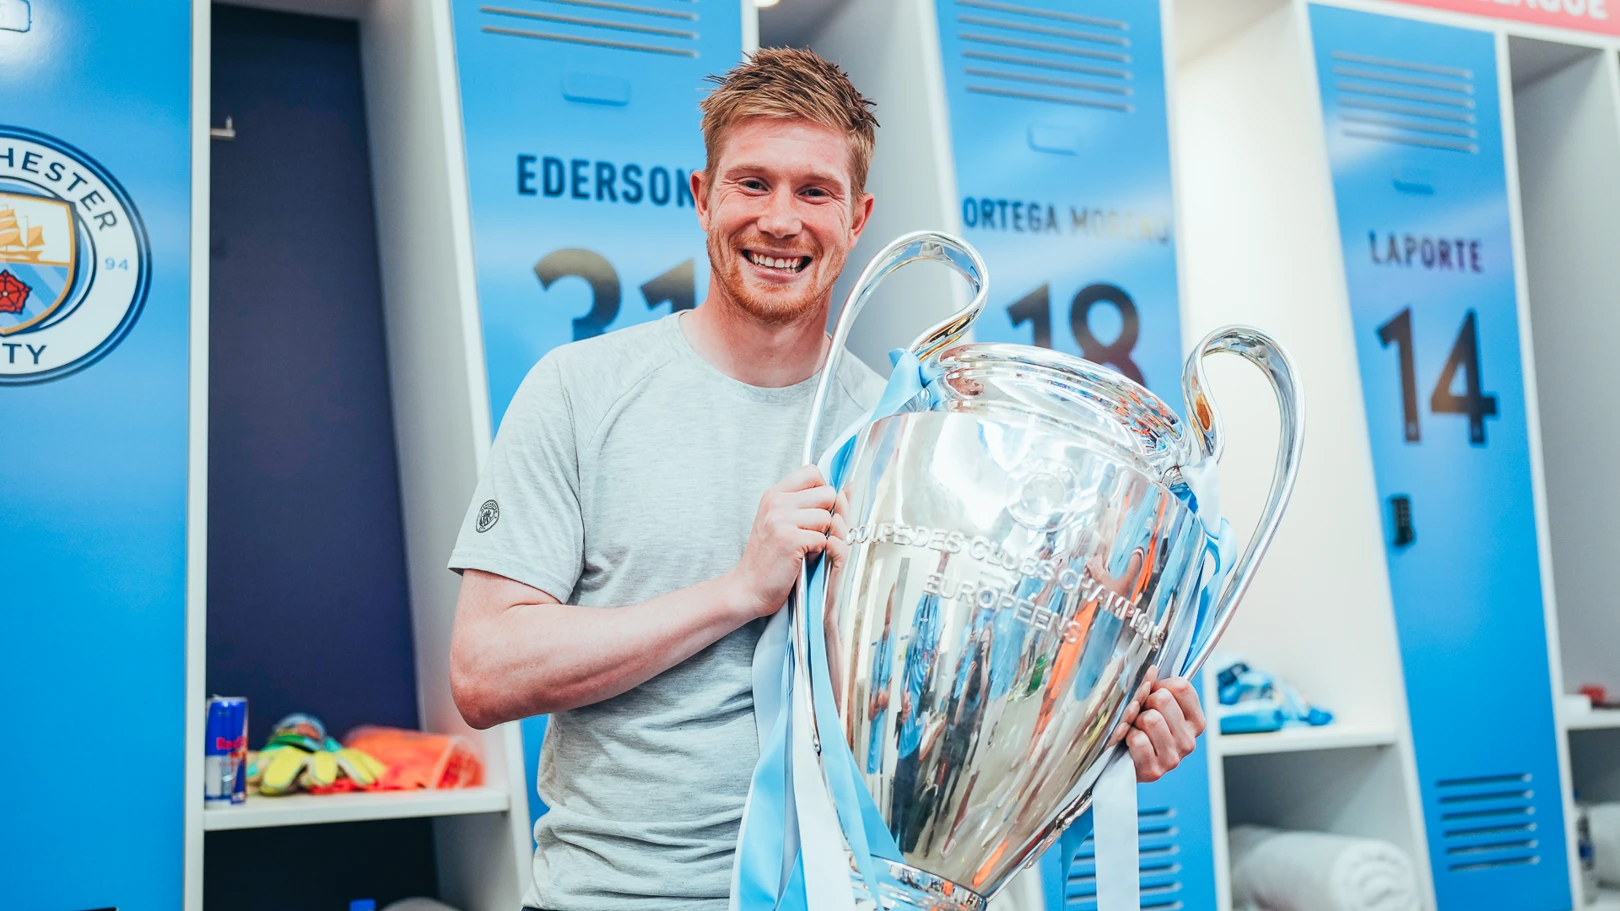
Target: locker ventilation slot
(1487,822)
(1405,102)
(1160,865)
(1013,50)
(646,27)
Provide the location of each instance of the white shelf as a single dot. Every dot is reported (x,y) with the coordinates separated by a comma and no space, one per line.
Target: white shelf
(308,809)
(1592,720)
(1336,736)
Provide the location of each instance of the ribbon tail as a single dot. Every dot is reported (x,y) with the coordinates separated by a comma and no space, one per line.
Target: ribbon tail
(767,840)
(821,839)
(802,809)
(1119,868)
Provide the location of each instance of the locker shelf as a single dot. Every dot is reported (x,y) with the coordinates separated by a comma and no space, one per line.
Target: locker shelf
(308,809)
(1592,720)
(1293,740)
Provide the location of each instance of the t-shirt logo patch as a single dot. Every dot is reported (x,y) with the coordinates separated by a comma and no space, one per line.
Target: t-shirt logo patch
(488,515)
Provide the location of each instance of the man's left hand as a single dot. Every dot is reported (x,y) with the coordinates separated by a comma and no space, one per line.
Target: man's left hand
(1162,734)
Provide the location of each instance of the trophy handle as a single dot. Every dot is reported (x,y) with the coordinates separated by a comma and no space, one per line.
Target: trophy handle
(918,246)
(1260,350)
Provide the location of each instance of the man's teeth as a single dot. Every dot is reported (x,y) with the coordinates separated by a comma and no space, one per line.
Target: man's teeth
(792,265)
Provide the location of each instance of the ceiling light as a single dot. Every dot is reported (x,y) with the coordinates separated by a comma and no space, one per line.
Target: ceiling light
(764,3)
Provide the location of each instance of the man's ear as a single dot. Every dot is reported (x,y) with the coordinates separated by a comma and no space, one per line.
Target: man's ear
(863,212)
(700,198)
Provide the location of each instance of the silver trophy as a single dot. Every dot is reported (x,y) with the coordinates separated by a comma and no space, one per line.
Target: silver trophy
(1024,563)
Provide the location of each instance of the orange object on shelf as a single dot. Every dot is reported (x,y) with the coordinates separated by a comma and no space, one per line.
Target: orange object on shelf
(416,759)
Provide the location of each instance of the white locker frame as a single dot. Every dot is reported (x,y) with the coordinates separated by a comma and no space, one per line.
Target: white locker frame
(441,419)
(1259,226)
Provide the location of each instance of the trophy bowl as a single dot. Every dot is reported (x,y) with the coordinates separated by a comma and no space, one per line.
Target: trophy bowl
(1026,559)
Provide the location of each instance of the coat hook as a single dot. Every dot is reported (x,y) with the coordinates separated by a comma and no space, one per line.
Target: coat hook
(227,132)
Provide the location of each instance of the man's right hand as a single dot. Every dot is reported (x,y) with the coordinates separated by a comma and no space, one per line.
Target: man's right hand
(797,517)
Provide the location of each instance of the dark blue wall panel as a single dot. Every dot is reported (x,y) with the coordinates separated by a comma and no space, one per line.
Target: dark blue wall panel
(319,868)
(307,601)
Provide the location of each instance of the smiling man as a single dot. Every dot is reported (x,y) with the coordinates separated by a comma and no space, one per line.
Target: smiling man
(650,514)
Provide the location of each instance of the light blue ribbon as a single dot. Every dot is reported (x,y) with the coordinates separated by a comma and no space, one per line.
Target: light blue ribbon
(769,871)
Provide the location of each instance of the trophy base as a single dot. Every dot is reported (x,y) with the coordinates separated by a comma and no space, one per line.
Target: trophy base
(906,888)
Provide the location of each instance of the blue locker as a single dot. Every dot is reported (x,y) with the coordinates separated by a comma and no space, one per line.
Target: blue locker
(581,127)
(95,308)
(1060,135)
(1414,137)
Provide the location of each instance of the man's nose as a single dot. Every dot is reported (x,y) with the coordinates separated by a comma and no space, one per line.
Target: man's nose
(780,219)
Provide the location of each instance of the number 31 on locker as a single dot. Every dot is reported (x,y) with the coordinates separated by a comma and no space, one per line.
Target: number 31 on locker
(677,287)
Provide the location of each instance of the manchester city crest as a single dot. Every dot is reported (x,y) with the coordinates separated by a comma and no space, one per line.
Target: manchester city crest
(74,259)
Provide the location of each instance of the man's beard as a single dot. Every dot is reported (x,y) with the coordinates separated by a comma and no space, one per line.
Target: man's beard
(775,309)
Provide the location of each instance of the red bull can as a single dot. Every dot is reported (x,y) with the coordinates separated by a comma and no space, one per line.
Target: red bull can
(225,753)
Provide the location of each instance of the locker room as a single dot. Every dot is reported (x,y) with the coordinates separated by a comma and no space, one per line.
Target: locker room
(274,275)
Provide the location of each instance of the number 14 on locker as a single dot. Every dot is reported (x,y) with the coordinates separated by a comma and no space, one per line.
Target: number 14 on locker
(1462,367)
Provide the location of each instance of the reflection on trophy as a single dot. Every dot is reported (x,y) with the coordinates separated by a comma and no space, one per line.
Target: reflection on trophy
(1026,558)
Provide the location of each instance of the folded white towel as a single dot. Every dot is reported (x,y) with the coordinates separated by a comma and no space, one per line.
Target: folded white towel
(1604,818)
(1276,870)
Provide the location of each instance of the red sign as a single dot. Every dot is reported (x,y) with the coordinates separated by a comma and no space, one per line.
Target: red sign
(1583,15)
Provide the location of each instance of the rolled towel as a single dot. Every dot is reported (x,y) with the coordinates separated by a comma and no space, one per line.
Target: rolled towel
(1277,870)
(1604,818)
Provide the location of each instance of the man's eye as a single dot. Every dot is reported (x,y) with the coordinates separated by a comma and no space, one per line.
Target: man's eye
(754,184)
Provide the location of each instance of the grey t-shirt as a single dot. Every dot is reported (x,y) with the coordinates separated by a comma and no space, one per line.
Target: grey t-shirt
(625,468)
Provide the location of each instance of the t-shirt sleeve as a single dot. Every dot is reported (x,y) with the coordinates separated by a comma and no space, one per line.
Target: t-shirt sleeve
(525,521)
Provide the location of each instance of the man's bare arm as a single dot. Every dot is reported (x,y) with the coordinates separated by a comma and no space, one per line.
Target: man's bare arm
(517,651)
